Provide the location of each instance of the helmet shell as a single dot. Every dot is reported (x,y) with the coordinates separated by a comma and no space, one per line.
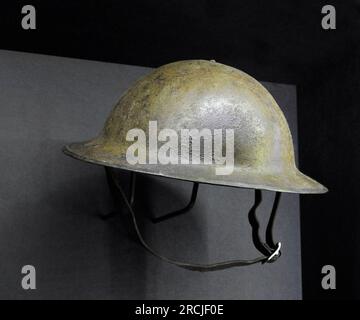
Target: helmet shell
(204,94)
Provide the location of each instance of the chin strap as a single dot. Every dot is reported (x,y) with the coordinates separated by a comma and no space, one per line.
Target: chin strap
(271,251)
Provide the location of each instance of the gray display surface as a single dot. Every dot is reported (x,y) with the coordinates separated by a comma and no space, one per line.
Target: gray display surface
(50,203)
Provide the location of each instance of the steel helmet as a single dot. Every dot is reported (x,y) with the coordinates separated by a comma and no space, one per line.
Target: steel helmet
(204,94)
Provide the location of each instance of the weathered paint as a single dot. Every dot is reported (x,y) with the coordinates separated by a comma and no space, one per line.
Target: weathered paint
(204,94)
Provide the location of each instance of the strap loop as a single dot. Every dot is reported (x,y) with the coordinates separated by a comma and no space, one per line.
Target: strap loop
(275,255)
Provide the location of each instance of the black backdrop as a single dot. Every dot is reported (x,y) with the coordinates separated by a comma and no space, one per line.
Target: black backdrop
(279,41)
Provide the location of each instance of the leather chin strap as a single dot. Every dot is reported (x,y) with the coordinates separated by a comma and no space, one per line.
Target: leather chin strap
(270,250)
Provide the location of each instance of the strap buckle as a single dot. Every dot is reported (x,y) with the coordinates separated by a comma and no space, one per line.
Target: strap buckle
(275,255)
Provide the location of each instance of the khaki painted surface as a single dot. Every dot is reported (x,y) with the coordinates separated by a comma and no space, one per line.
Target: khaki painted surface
(197,94)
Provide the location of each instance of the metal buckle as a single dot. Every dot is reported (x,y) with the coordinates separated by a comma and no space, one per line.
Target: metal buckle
(276,254)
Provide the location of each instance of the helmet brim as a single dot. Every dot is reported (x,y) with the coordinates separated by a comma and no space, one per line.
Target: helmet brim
(291,181)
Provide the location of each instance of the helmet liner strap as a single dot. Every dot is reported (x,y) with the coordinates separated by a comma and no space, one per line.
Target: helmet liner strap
(272,251)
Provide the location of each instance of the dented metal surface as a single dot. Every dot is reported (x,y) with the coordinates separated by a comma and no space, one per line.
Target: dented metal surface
(204,94)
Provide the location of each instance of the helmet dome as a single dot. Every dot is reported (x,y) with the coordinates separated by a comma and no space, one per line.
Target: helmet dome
(204,94)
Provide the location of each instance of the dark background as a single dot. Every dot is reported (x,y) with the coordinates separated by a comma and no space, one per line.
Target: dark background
(278,41)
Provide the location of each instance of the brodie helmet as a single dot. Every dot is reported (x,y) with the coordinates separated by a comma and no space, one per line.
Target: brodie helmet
(204,94)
